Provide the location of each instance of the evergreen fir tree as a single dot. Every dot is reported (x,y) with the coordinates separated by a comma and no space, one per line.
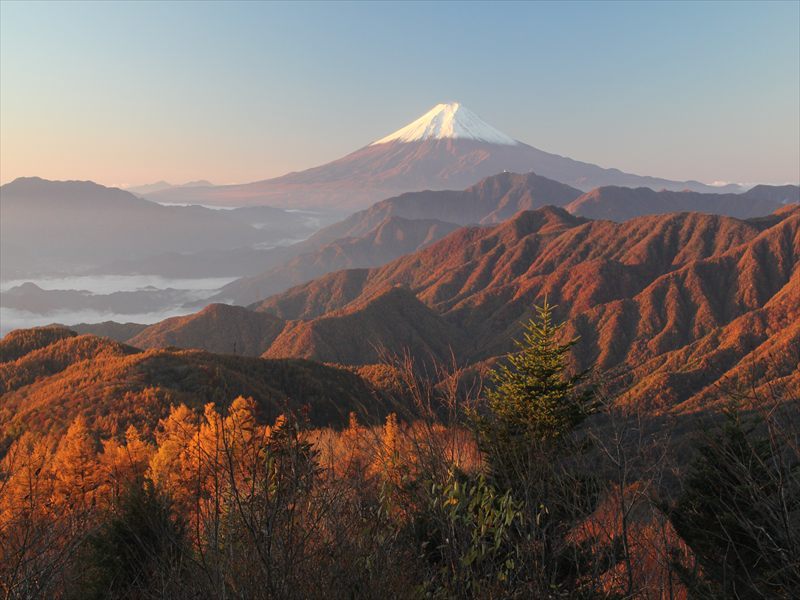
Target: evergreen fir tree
(534,402)
(534,406)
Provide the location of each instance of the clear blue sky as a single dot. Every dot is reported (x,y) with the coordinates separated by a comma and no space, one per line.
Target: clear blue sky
(136,92)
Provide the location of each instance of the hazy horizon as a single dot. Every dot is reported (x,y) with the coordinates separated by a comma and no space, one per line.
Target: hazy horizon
(128,94)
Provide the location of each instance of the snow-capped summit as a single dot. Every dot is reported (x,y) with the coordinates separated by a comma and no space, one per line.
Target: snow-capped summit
(448,121)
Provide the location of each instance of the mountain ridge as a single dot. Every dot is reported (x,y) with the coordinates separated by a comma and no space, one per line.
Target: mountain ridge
(114,385)
(58,226)
(655,289)
(493,200)
(621,203)
(670,309)
(392,237)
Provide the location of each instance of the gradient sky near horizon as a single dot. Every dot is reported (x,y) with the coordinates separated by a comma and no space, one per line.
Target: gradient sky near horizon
(131,93)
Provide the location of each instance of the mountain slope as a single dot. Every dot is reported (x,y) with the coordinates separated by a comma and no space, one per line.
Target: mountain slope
(392,321)
(120,332)
(217,328)
(762,343)
(392,237)
(158,186)
(492,200)
(20,342)
(648,296)
(621,204)
(447,148)
(782,194)
(547,243)
(713,325)
(448,121)
(53,358)
(113,386)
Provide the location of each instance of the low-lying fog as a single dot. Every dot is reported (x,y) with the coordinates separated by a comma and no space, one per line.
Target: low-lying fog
(11,319)
(73,252)
(106,284)
(115,298)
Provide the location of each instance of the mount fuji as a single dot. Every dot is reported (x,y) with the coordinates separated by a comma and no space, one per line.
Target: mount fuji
(449,147)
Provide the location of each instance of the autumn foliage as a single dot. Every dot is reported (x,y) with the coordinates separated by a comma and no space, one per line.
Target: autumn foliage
(539,487)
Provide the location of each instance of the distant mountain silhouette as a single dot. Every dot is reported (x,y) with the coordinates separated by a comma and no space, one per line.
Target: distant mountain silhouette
(390,238)
(159,186)
(782,194)
(53,226)
(621,204)
(31,298)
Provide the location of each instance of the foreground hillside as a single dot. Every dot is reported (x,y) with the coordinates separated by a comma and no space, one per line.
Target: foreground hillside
(538,487)
(50,376)
(217,328)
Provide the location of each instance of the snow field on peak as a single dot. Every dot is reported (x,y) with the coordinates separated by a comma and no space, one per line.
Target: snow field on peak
(448,121)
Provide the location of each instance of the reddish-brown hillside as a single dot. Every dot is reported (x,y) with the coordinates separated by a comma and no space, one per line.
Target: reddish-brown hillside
(217,328)
(113,386)
(393,320)
(647,296)
(582,262)
(352,243)
(761,346)
(21,341)
(120,332)
(55,355)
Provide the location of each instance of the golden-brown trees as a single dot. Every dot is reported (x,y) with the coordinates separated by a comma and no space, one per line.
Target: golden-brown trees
(28,530)
(76,477)
(171,467)
(120,465)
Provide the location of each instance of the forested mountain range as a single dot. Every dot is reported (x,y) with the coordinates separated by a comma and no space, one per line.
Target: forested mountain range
(360,240)
(669,306)
(51,376)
